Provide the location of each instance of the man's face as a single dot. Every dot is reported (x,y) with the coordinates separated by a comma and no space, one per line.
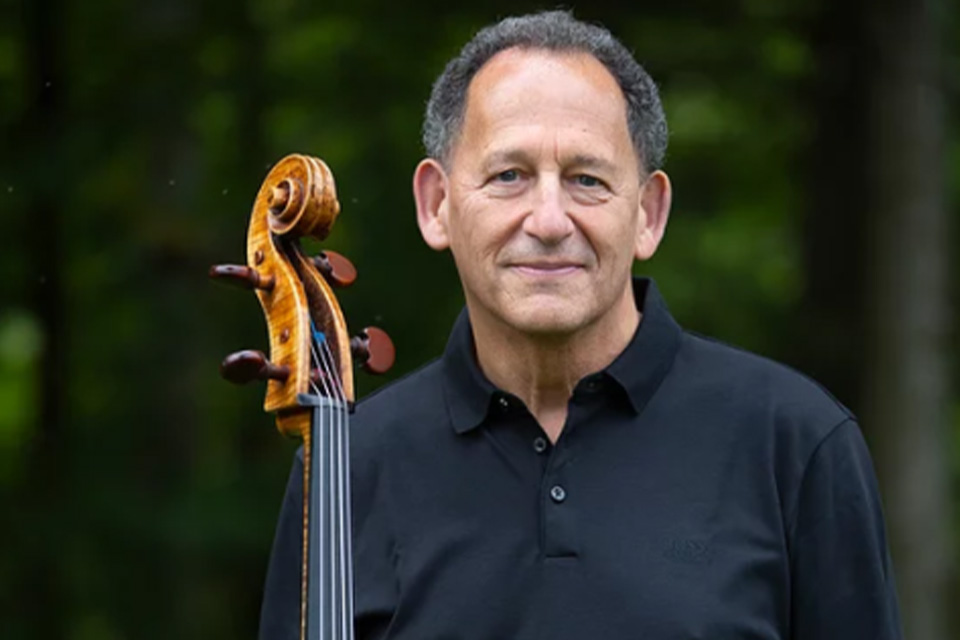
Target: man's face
(542,203)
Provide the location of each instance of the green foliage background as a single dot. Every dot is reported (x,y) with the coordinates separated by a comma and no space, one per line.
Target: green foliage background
(140,490)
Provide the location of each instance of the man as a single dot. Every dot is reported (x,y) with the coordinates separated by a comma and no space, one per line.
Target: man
(576,466)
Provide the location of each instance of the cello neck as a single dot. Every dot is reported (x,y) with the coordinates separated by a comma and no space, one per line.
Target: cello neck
(328,575)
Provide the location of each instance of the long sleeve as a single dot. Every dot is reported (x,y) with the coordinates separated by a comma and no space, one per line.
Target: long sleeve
(280,612)
(842,579)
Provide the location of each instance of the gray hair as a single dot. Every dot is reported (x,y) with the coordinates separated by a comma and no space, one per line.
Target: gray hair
(552,31)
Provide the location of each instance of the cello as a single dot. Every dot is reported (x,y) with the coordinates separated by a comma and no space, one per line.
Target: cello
(309,372)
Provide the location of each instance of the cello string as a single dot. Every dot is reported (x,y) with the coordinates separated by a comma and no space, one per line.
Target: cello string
(337,489)
(346,622)
(340,489)
(346,584)
(317,586)
(338,461)
(348,510)
(344,540)
(325,579)
(315,617)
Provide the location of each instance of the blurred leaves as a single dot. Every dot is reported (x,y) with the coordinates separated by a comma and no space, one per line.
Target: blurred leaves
(21,343)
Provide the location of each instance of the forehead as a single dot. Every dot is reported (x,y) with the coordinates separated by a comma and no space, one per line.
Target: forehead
(538,91)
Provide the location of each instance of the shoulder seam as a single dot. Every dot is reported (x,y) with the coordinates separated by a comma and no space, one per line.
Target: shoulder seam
(791,521)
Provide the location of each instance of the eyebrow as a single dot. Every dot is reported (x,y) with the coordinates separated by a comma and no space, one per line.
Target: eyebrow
(585,161)
(508,156)
(519,156)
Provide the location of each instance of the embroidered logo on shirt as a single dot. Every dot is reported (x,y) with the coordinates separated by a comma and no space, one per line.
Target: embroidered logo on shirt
(689,551)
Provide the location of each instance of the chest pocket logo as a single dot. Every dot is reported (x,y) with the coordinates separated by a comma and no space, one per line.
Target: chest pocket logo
(689,551)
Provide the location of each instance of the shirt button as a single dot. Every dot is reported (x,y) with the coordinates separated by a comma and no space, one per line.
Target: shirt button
(503,403)
(558,494)
(540,444)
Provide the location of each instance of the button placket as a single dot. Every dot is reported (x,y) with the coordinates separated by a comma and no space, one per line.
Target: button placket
(558,510)
(560,539)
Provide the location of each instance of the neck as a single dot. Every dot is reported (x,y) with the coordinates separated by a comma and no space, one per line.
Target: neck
(543,369)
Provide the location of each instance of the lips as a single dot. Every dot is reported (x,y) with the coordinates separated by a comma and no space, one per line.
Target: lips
(547,268)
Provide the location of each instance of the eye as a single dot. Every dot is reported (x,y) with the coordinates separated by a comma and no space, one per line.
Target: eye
(510,175)
(588,181)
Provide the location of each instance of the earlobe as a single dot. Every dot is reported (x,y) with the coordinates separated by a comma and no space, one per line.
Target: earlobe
(656,195)
(431,192)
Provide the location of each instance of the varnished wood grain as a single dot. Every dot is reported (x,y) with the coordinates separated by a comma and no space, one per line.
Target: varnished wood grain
(297,198)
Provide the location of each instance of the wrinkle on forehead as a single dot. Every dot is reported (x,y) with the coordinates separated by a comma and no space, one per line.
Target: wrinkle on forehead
(557,103)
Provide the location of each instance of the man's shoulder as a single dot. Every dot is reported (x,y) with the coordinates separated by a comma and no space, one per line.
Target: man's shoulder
(407,393)
(756,384)
(414,399)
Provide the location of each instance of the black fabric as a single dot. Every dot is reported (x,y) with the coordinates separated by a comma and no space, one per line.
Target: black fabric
(697,491)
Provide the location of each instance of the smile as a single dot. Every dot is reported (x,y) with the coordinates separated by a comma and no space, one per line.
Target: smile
(542,269)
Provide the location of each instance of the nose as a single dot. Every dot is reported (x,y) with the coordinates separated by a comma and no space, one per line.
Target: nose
(548,220)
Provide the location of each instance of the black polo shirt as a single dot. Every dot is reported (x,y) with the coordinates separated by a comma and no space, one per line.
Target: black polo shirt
(697,491)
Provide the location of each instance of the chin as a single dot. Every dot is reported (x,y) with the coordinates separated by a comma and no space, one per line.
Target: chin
(544,319)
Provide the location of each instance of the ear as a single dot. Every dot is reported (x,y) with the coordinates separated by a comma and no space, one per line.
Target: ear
(431,192)
(656,195)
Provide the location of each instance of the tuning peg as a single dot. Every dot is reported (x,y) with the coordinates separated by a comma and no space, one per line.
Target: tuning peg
(241,276)
(335,268)
(373,349)
(245,366)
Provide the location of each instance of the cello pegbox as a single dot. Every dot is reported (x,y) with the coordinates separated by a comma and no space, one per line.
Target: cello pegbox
(242,276)
(374,350)
(297,199)
(335,268)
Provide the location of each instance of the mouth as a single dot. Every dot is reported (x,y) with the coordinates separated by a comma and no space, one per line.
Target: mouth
(547,269)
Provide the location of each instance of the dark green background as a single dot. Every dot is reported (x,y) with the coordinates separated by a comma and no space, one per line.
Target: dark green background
(140,490)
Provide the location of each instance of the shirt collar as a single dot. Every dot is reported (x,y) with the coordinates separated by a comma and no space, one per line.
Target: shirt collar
(638,370)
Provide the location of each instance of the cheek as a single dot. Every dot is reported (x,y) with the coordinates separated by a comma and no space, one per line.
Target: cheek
(469,243)
(481,228)
(612,238)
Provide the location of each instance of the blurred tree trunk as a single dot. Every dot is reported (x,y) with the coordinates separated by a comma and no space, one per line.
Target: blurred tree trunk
(908,316)
(42,579)
(828,345)
(876,255)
